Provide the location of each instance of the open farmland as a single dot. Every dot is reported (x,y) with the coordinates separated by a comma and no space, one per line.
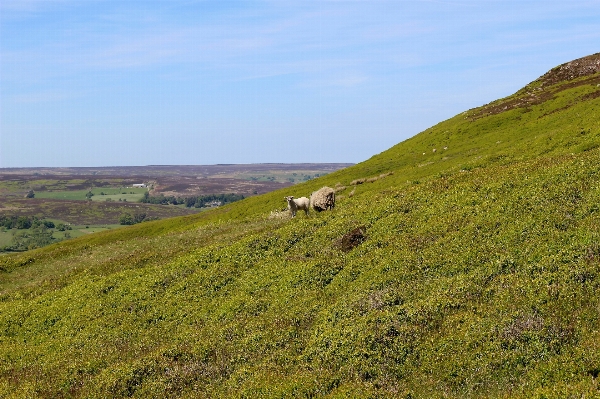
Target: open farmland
(131,194)
(94,199)
(85,212)
(168,180)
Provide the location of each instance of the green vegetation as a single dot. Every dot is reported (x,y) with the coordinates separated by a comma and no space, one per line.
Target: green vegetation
(96,194)
(31,238)
(292,177)
(203,201)
(84,212)
(5,238)
(138,217)
(470,271)
(197,201)
(20,233)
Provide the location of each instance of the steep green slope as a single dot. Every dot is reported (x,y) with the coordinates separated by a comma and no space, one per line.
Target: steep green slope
(468,271)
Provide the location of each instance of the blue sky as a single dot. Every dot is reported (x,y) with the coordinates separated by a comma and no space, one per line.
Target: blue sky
(153,82)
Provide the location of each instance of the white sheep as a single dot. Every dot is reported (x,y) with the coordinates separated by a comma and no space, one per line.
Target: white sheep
(323,199)
(301,203)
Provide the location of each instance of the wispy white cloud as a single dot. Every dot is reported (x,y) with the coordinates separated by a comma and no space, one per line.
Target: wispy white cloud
(313,39)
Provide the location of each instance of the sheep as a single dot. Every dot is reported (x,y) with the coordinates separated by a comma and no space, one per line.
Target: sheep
(301,203)
(323,199)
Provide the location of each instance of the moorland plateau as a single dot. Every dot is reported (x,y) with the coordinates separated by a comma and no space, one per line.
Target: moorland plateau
(462,262)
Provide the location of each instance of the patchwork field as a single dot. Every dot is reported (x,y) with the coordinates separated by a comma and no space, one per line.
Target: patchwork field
(95,199)
(131,194)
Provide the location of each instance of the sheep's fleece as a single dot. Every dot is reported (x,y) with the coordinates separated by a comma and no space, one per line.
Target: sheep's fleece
(323,199)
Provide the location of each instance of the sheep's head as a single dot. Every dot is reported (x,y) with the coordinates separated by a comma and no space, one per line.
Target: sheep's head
(289,198)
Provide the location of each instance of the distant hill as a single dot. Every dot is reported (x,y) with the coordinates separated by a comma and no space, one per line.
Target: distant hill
(169,170)
(462,262)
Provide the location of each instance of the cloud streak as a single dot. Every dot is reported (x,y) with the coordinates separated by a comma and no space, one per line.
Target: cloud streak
(291,37)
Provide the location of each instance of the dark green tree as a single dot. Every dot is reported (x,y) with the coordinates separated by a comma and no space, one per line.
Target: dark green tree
(61,227)
(126,219)
(49,224)
(23,222)
(36,237)
(139,217)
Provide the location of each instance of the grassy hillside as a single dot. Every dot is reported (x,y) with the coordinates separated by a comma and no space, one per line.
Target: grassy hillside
(468,271)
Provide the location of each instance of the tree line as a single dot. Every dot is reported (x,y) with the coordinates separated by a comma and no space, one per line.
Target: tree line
(199,201)
(31,232)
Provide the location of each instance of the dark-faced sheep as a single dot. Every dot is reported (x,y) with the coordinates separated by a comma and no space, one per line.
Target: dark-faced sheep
(323,199)
(301,203)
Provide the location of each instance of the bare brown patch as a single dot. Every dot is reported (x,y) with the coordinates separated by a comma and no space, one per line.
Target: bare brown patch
(352,239)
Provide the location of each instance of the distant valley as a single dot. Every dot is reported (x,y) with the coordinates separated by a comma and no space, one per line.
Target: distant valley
(91,199)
